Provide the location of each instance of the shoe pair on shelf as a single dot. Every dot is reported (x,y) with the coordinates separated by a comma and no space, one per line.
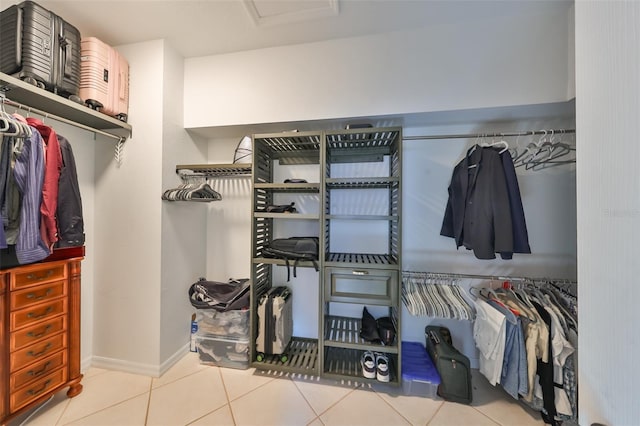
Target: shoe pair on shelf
(375,366)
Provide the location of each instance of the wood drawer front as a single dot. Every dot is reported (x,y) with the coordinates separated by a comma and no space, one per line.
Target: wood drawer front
(361,285)
(33,334)
(38,274)
(37,351)
(37,370)
(26,394)
(39,294)
(37,313)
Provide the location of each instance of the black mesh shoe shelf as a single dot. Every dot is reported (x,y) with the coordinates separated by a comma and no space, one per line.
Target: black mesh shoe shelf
(361,232)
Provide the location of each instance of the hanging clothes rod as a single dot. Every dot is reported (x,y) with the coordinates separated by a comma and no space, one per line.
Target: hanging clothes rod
(47,115)
(491,135)
(485,277)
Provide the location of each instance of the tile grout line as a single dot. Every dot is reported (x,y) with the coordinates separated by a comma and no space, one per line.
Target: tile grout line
(489,417)
(391,406)
(332,405)
(68,400)
(146,414)
(436,413)
(226,394)
(102,409)
(307,401)
(250,391)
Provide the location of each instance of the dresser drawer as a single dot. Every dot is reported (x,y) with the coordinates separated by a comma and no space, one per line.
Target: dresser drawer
(24,357)
(41,330)
(361,285)
(37,294)
(37,313)
(38,274)
(38,369)
(26,394)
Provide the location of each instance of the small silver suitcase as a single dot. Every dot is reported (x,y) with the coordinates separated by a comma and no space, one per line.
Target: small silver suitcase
(275,323)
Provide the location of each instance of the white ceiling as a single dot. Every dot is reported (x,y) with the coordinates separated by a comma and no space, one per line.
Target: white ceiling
(207,27)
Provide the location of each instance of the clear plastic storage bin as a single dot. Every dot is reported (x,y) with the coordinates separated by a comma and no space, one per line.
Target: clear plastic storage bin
(223,352)
(230,324)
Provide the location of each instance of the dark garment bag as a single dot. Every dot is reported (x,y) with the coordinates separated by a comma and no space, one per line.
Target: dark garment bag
(453,367)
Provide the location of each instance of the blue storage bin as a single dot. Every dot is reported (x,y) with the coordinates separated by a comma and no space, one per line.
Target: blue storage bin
(419,375)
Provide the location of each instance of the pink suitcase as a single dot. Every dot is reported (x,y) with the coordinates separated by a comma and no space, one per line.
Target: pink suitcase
(104,78)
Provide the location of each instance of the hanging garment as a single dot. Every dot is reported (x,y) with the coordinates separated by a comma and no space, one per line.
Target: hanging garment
(28,173)
(518,222)
(545,374)
(561,349)
(10,205)
(4,174)
(489,333)
(69,213)
(53,163)
(478,213)
(513,377)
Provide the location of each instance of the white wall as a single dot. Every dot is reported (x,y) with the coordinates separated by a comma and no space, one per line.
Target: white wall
(183,224)
(483,63)
(128,226)
(228,220)
(607,88)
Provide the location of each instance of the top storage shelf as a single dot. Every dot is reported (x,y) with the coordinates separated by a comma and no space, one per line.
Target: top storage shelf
(290,147)
(361,145)
(30,96)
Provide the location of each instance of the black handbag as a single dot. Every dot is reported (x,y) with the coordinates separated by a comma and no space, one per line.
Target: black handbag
(220,296)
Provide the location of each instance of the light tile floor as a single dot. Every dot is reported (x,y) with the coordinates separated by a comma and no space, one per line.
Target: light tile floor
(194,394)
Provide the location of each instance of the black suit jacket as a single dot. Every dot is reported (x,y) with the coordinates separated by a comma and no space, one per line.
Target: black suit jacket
(478,214)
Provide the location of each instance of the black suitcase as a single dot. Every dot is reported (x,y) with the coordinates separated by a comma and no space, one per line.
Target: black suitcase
(275,323)
(41,48)
(453,366)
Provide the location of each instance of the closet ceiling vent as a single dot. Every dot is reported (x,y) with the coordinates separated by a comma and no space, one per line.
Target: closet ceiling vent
(274,12)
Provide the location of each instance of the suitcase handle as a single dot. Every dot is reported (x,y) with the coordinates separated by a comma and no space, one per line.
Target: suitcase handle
(122,91)
(66,54)
(19,39)
(434,337)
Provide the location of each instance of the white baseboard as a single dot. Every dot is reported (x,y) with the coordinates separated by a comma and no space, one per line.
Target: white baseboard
(135,367)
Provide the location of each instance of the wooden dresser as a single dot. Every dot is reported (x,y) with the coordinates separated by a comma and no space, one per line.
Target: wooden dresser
(39,334)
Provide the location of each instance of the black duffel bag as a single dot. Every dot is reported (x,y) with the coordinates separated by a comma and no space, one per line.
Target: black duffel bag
(293,249)
(220,296)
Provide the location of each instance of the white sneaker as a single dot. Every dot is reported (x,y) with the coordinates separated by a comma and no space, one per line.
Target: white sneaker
(368,365)
(382,368)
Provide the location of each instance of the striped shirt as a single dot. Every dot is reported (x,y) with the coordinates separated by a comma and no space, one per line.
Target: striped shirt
(29,176)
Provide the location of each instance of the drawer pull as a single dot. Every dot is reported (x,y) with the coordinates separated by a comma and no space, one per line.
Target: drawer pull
(37,354)
(44,314)
(34,297)
(36,277)
(36,335)
(354,272)
(41,371)
(32,392)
